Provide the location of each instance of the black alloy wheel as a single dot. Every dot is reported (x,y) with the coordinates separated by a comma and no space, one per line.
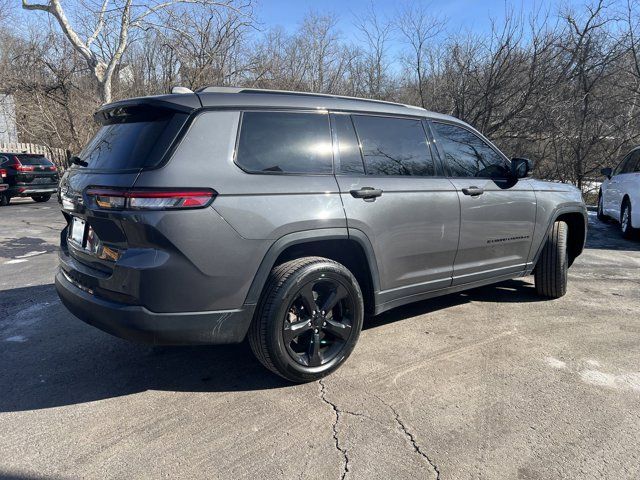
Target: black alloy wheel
(308,319)
(318,322)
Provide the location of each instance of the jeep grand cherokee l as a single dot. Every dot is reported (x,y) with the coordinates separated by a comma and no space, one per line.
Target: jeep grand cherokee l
(207,217)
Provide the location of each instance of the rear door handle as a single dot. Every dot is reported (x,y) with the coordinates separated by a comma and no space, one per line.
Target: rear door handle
(473,191)
(366,193)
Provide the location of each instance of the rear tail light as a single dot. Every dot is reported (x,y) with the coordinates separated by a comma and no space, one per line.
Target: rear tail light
(3,173)
(16,165)
(112,199)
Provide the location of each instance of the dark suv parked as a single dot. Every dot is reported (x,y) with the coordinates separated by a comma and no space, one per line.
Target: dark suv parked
(28,175)
(203,218)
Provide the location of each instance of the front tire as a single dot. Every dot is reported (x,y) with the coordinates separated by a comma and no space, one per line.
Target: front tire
(41,198)
(625,220)
(308,320)
(551,271)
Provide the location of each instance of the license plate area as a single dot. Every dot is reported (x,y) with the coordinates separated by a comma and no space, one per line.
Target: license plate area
(77,232)
(43,180)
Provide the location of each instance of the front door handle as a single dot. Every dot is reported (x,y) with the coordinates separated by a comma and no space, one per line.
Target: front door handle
(473,191)
(366,193)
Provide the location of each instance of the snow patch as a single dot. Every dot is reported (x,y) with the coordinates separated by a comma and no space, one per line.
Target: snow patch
(31,254)
(593,363)
(623,381)
(16,338)
(601,379)
(555,363)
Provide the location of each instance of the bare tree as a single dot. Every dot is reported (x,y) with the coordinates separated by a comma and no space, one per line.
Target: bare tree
(375,34)
(109,27)
(418,28)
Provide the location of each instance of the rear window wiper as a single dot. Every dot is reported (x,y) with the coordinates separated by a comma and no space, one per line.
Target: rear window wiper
(77,161)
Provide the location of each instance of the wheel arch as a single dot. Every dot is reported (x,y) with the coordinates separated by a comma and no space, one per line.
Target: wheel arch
(576,220)
(353,251)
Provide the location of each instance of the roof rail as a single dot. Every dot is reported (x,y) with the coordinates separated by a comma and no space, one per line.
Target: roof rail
(290,92)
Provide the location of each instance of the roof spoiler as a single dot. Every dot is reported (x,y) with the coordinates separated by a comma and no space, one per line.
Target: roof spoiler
(176,103)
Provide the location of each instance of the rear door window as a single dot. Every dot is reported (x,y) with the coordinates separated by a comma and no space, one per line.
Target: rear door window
(285,142)
(468,155)
(394,146)
(133,138)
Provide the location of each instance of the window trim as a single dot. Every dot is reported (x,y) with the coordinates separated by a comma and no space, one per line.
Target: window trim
(287,110)
(437,167)
(441,152)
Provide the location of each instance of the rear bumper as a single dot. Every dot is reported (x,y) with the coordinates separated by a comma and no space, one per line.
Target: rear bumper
(139,324)
(27,190)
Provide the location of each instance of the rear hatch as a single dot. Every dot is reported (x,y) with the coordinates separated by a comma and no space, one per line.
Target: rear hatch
(34,170)
(134,135)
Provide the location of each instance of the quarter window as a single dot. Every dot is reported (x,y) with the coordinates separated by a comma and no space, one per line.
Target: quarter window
(394,146)
(467,154)
(285,142)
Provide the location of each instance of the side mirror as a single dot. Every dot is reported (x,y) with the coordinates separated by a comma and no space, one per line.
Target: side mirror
(606,172)
(520,167)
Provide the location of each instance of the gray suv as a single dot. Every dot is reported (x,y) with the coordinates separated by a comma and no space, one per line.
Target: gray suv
(209,217)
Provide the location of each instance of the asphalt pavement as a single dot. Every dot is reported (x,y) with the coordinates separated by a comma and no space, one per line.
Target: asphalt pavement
(493,383)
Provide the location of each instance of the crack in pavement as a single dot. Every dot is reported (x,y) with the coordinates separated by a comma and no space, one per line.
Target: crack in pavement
(411,438)
(337,412)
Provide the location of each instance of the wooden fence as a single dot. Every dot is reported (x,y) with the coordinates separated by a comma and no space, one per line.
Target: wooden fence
(58,156)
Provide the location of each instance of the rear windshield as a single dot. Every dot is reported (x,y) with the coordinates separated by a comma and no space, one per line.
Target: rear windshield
(34,160)
(132,139)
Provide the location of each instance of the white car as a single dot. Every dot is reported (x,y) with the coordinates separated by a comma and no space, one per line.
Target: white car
(619,196)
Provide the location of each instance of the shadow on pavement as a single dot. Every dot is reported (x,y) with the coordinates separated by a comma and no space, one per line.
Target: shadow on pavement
(15,247)
(58,360)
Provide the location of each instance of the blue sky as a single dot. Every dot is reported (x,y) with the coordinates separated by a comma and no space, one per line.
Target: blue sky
(462,14)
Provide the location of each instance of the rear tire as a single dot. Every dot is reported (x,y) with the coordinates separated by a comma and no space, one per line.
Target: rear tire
(626,227)
(601,216)
(4,199)
(293,341)
(552,268)
(41,198)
